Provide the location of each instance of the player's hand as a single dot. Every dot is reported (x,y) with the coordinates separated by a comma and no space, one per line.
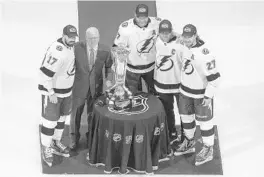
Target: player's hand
(53,98)
(206,101)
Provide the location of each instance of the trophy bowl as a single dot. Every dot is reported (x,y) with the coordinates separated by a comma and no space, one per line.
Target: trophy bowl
(119,96)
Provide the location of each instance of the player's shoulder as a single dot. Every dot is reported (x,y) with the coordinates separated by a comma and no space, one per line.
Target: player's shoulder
(204,52)
(58,50)
(57,46)
(155,19)
(126,24)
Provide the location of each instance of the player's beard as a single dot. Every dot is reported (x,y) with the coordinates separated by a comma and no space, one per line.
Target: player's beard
(70,44)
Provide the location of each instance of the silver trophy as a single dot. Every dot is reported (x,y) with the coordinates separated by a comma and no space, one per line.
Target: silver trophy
(118,96)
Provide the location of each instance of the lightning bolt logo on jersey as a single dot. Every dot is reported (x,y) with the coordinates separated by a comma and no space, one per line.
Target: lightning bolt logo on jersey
(188,67)
(146,45)
(165,64)
(168,66)
(141,42)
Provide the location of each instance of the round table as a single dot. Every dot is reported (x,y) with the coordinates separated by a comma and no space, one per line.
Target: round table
(136,139)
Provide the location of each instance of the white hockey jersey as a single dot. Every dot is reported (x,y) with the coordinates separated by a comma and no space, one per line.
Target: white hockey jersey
(57,70)
(168,66)
(199,75)
(140,42)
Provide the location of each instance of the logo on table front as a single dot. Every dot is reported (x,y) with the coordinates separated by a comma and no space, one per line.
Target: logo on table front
(139,105)
(128,139)
(139,138)
(161,126)
(117,137)
(106,133)
(157,131)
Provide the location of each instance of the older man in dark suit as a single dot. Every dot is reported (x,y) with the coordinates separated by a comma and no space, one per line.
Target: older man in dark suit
(93,65)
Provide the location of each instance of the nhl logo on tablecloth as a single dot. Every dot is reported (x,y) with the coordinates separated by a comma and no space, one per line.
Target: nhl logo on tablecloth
(139,138)
(139,106)
(128,139)
(161,126)
(157,131)
(117,137)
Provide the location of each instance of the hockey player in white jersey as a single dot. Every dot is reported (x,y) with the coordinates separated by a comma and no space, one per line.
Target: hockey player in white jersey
(56,81)
(199,80)
(167,72)
(139,35)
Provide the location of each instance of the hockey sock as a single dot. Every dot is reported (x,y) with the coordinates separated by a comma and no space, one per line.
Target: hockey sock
(189,125)
(47,131)
(59,128)
(207,132)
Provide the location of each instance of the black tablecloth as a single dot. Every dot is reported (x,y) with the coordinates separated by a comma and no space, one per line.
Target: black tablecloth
(136,138)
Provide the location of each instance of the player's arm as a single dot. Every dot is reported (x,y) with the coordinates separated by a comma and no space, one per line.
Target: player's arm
(122,38)
(50,66)
(211,73)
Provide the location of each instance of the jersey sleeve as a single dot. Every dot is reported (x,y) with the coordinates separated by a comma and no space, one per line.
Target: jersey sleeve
(51,64)
(211,73)
(122,38)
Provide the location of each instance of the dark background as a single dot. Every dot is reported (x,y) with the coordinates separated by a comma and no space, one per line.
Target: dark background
(107,16)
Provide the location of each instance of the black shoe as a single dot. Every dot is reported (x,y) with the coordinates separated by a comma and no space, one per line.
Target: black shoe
(74,144)
(174,138)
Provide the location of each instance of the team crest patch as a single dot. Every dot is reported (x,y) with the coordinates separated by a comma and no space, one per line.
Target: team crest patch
(59,48)
(139,106)
(124,24)
(205,51)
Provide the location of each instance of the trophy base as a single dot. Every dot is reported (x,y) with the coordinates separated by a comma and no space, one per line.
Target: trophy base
(124,104)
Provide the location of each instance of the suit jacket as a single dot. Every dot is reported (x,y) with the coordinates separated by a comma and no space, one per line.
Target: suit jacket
(85,78)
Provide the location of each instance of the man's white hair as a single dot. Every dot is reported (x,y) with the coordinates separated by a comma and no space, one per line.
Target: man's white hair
(92,32)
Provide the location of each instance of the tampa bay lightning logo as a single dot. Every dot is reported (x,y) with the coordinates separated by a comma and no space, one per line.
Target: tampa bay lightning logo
(188,67)
(146,45)
(165,63)
(71,69)
(139,105)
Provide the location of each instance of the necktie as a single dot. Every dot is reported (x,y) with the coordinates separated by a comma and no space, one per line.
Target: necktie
(91,58)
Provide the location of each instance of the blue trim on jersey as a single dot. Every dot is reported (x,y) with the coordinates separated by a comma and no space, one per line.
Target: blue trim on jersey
(192,91)
(140,67)
(56,90)
(213,77)
(166,86)
(47,72)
